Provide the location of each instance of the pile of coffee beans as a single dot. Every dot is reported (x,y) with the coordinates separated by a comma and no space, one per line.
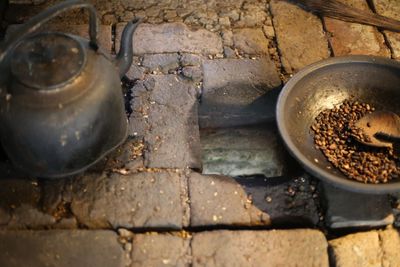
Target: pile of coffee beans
(334,135)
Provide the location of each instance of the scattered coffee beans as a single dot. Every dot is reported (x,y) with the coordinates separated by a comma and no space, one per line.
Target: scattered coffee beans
(333,130)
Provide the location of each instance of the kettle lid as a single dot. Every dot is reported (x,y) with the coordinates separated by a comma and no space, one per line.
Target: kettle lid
(46,61)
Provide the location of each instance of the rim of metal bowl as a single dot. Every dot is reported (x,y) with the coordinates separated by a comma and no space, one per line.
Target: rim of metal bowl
(320,173)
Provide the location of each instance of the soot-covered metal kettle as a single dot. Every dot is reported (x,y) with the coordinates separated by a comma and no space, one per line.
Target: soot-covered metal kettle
(61,102)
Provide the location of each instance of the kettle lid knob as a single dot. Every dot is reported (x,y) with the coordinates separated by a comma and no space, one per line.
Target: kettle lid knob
(46,61)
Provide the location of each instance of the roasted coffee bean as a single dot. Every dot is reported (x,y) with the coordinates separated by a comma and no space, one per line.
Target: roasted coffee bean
(334,135)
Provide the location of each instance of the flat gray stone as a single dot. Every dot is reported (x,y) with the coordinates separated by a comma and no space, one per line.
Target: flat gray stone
(237,92)
(149,199)
(60,248)
(172,38)
(251,201)
(187,59)
(367,249)
(161,62)
(354,210)
(160,250)
(250,41)
(243,151)
(165,114)
(260,248)
(300,36)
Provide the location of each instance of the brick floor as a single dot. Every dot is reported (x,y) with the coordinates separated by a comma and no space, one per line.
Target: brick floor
(198,65)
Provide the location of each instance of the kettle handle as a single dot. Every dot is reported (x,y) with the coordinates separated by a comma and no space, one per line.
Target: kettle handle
(35,22)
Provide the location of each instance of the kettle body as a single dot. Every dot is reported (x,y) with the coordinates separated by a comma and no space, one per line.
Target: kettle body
(61,102)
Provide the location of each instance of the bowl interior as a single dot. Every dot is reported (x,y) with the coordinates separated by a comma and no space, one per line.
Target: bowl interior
(324,85)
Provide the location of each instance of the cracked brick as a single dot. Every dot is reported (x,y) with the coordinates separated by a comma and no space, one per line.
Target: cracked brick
(172,38)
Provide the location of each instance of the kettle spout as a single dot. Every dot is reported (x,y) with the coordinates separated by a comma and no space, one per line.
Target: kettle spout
(124,58)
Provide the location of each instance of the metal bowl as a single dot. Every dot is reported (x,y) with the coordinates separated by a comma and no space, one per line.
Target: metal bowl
(324,85)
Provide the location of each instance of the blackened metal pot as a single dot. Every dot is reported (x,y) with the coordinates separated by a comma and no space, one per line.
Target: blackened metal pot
(323,85)
(61,102)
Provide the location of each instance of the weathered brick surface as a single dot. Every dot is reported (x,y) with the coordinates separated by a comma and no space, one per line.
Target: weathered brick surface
(250,41)
(355,39)
(347,209)
(19,202)
(104,33)
(374,248)
(300,36)
(165,113)
(161,62)
(160,250)
(260,248)
(391,9)
(152,199)
(237,92)
(60,248)
(221,200)
(172,38)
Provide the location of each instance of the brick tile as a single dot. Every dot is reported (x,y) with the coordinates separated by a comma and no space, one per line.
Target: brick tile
(300,36)
(356,250)
(229,99)
(374,248)
(172,38)
(390,9)
(355,39)
(260,248)
(152,199)
(165,113)
(250,41)
(60,248)
(160,250)
(249,201)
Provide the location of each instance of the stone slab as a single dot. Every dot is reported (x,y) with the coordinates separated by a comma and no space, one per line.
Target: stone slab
(238,92)
(391,9)
(161,62)
(153,249)
(104,33)
(243,151)
(260,248)
(148,199)
(251,201)
(60,248)
(355,39)
(165,114)
(354,210)
(172,38)
(300,36)
(367,249)
(250,41)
